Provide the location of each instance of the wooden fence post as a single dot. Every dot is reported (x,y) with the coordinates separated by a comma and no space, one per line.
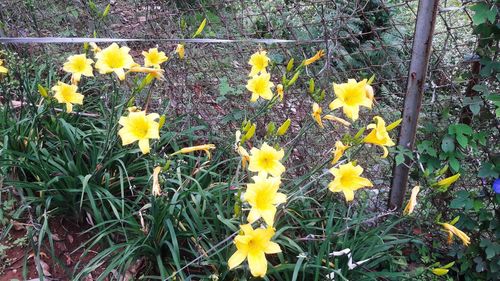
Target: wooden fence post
(421,50)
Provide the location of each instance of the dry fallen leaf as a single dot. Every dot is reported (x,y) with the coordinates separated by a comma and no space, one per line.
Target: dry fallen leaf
(45,268)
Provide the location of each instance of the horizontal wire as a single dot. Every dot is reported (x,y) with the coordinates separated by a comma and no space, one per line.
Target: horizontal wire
(78,40)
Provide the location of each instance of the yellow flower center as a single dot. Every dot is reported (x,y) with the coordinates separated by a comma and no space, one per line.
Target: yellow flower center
(139,127)
(154,58)
(262,198)
(66,93)
(260,86)
(115,59)
(260,62)
(265,161)
(79,64)
(346,179)
(353,96)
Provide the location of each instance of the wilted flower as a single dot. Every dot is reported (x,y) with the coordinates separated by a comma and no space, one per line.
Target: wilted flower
(205,147)
(350,96)
(138,126)
(316,114)
(316,57)
(452,230)
(95,48)
(156,184)
(259,61)
(347,180)
(154,58)
(260,86)
(180,50)
(412,202)
(114,59)
(78,65)
(279,89)
(340,148)
(379,135)
(67,94)
(337,119)
(254,245)
(263,197)
(369,92)
(266,160)
(154,72)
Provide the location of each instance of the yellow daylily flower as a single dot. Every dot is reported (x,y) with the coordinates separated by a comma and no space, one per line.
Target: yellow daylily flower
(138,126)
(281,93)
(340,148)
(65,93)
(263,197)
(350,96)
(337,119)
(204,147)
(3,69)
(314,58)
(254,244)
(179,50)
(266,160)
(260,86)
(452,230)
(259,61)
(347,180)
(316,114)
(154,58)
(445,183)
(156,183)
(154,72)
(440,271)
(114,59)
(78,65)
(379,135)
(412,202)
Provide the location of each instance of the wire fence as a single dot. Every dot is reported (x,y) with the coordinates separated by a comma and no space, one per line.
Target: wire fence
(361,38)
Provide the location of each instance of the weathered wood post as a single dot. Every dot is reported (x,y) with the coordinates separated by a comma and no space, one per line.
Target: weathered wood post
(421,50)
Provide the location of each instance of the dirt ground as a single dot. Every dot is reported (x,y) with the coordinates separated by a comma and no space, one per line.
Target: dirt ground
(68,238)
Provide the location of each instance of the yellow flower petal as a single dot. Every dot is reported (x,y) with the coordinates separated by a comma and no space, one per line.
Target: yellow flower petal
(272,248)
(257,263)
(236,259)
